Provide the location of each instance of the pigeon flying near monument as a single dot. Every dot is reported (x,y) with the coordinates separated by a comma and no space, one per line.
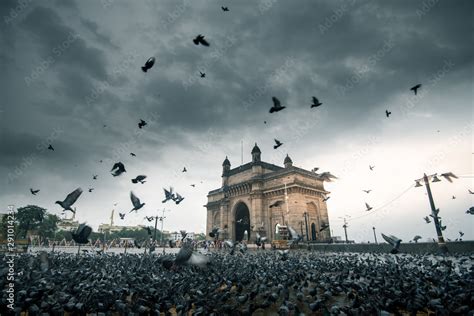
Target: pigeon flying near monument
(34,191)
(117,169)
(169,195)
(296,238)
(200,40)
(327,176)
(70,200)
(448,176)
(214,233)
(415,88)
(427,219)
(149,63)
(82,234)
(394,241)
(316,103)
(276,105)
(140,179)
(470,210)
(276,204)
(277,144)
(136,202)
(225,9)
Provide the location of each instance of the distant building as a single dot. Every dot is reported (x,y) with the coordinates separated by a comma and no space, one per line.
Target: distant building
(175,236)
(68,224)
(115,228)
(258,196)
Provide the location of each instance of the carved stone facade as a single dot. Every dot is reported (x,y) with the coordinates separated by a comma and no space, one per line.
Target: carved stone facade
(258,196)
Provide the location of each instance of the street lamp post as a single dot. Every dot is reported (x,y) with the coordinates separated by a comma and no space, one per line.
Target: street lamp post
(345,227)
(306,224)
(375,236)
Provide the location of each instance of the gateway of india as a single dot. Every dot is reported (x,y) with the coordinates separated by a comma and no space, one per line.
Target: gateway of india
(259,196)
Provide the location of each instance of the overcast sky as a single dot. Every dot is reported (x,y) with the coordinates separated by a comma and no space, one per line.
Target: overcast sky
(67,68)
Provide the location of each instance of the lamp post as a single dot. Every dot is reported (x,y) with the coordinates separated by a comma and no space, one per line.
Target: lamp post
(375,236)
(345,227)
(306,224)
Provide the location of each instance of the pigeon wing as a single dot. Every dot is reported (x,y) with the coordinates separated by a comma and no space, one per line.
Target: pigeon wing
(72,197)
(276,102)
(184,254)
(135,200)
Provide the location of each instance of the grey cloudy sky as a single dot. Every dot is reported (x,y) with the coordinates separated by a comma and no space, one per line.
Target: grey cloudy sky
(67,68)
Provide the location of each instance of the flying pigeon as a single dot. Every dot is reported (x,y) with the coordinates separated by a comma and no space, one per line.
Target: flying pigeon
(141,124)
(214,233)
(368,207)
(284,254)
(184,169)
(394,241)
(277,144)
(101,161)
(276,105)
(149,63)
(50,147)
(427,219)
(151,218)
(294,235)
(441,226)
(454,197)
(225,9)
(371,167)
(136,202)
(324,226)
(82,234)
(367,191)
(327,176)
(316,103)
(470,210)
(133,155)
(314,170)
(139,178)
(90,190)
(70,200)
(326,198)
(448,176)
(461,234)
(193,185)
(178,199)
(34,191)
(470,192)
(415,88)
(260,240)
(416,238)
(169,195)
(200,40)
(387,113)
(122,215)
(137,245)
(276,204)
(202,74)
(94,177)
(117,169)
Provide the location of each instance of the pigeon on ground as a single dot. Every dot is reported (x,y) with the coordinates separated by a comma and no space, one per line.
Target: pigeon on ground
(169,195)
(427,219)
(276,105)
(149,63)
(142,123)
(367,191)
(225,9)
(276,204)
(326,176)
(416,238)
(368,207)
(50,147)
(139,178)
(202,74)
(200,40)
(133,155)
(415,88)
(316,103)
(34,191)
(277,144)
(449,175)
(371,167)
(387,113)
(394,241)
(82,234)
(70,200)
(178,199)
(136,202)
(122,215)
(117,169)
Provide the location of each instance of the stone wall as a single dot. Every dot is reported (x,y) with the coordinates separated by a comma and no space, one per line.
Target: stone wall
(418,248)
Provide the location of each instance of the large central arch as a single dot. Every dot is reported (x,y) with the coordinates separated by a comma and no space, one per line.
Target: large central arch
(242,221)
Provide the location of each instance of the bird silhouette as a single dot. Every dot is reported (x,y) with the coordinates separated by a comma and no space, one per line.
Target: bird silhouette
(139,178)
(368,207)
(117,169)
(324,226)
(448,176)
(276,105)
(122,215)
(277,144)
(82,234)
(133,155)
(200,40)
(315,103)
(470,192)
(141,124)
(276,204)
(415,88)
(427,219)
(34,192)
(387,113)
(178,199)
(225,9)
(50,147)
(149,218)
(169,195)
(461,234)
(202,74)
(326,176)
(193,185)
(470,210)
(70,200)
(367,191)
(91,189)
(94,177)
(453,197)
(149,63)
(416,238)
(314,170)
(371,167)
(326,198)
(136,202)
(394,241)
(184,169)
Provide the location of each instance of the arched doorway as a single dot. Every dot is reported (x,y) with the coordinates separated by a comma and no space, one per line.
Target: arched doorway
(242,221)
(313,231)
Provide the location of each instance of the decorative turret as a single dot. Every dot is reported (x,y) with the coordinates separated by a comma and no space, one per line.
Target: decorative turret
(288,162)
(225,167)
(256,153)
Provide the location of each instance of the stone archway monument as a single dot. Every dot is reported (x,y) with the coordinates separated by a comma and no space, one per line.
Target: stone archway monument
(257,195)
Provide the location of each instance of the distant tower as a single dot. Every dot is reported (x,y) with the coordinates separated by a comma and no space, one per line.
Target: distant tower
(256,153)
(288,162)
(225,171)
